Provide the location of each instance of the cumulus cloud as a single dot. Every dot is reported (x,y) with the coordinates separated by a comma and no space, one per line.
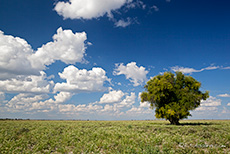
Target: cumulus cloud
(134,111)
(210,108)
(66,108)
(88,108)
(91,9)
(97,108)
(82,80)
(228,104)
(188,70)
(82,108)
(144,104)
(33,102)
(88,9)
(108,108)
(24,101)
(127,102)
(116,108)
(31,83)
(22,68)
(210,104)
(142,109)
(62,97)
(14,57)
(112,97)
(66,46)
(52,104)
(211,101)
(18,58)
(135,74)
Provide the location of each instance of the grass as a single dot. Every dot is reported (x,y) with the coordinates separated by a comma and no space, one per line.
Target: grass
(114,137)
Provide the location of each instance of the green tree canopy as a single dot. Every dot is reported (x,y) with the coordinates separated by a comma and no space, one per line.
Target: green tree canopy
(173,96)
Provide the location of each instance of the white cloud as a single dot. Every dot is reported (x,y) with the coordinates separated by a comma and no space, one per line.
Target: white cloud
(91,9)
(210,104)
(112,97)
(24,101)
(108,108)
(127,102)
(224,95)
(203,108)
(135,74)
(188,70)
(134,111)
(185,70)
(66,46)
(14,57)
(135,4)
(82,108)
(143,109)
(62,97)
(155,8)
(21,68)
(225,68)
(117,104)
(89,108)
(228,104)
(225,111)
(211,68)
(96,109)
(123,23)
(29,103)
(52,104)
(113,109)
(82,80)
(18,58)
(66,107)
(32,102)
(32,83)
(2,97)
(144,104)
(211,101)
(88,9)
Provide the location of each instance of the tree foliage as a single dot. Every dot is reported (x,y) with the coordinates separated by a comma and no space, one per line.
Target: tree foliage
(173,96)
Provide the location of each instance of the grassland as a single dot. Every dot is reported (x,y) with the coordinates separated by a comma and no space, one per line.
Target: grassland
(114,137)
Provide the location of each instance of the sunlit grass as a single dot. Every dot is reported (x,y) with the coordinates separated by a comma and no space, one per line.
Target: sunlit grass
(114,137)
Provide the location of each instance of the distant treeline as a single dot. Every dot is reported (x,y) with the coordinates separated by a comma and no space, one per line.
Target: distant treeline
(13,119)
(1,119)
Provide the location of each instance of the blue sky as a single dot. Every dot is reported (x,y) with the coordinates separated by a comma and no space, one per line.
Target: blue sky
(90,59)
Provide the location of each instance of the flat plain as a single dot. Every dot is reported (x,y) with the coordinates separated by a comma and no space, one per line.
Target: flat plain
(192,136)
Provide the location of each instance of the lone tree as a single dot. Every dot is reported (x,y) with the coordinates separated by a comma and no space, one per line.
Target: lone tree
(173,96)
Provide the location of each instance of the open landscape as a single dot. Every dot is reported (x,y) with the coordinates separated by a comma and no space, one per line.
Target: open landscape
(114,77)
(191,136)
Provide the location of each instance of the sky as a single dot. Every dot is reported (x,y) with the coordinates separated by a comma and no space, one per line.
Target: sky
(90,59)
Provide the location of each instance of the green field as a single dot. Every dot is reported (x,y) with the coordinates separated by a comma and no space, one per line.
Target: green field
(27,136)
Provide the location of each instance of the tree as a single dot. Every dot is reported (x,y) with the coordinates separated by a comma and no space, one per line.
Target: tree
(173,96)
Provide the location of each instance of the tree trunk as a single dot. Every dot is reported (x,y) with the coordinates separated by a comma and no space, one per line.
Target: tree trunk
(174,121)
